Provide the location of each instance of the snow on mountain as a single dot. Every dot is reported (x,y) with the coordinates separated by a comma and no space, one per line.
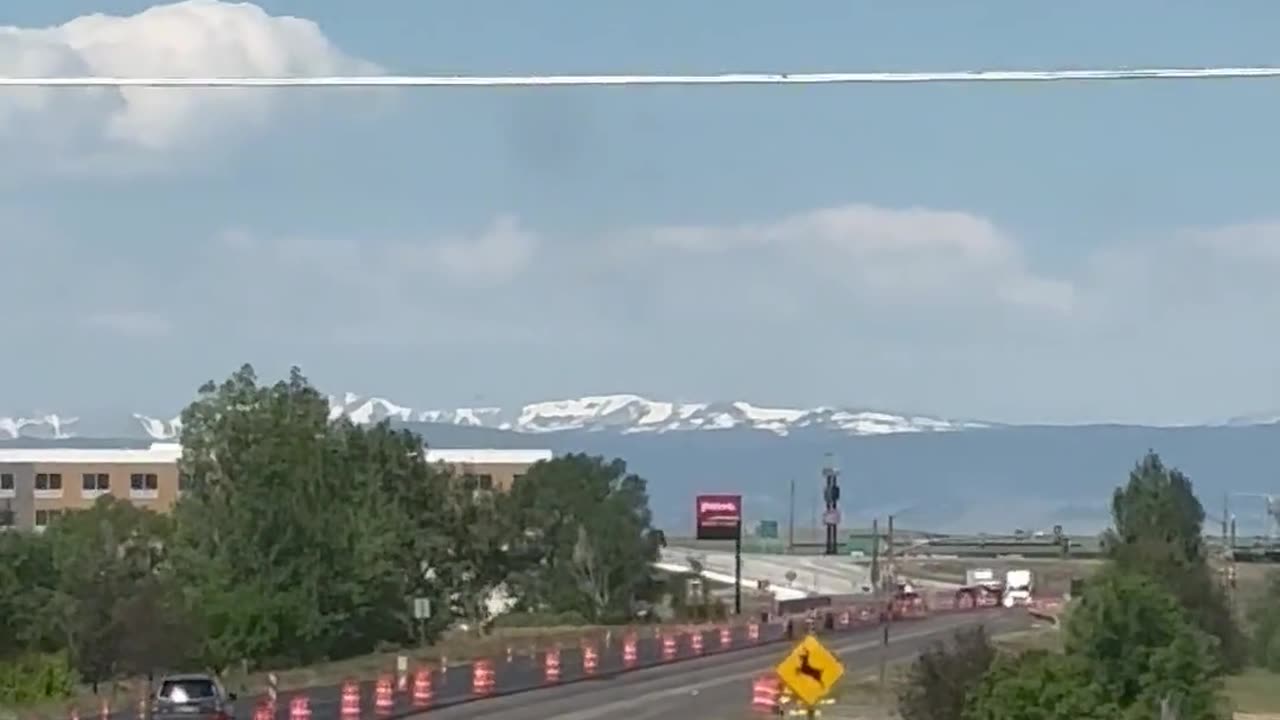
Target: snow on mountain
(635,414)
(598,413)
(621,413)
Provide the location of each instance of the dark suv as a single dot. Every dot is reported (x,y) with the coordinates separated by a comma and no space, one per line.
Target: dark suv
(194,696)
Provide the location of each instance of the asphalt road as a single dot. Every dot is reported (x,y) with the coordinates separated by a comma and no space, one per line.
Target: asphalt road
(708,687)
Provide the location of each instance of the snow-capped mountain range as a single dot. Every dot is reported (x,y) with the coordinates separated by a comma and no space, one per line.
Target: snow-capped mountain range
(612,413)
(622,413)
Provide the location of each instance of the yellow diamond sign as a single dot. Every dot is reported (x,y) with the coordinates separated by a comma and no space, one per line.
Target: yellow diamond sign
(810,671)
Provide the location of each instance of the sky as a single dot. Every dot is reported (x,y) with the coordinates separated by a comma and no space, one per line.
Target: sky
(1020,253)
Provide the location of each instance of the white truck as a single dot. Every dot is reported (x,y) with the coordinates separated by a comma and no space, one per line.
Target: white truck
(1018,586)
(982,578)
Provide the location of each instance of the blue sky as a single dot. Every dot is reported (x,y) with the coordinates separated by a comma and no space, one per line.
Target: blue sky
(1023,253)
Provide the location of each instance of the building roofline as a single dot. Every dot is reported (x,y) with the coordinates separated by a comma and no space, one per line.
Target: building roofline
(487,456)
(172,452)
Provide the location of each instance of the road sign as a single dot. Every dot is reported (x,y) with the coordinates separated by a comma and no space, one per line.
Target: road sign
(421,608)
(810,671)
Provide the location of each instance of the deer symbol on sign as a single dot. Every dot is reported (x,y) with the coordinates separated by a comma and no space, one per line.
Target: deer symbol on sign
(808,669)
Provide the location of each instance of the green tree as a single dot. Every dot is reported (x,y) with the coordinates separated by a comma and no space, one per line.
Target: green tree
(1039,685)
(102,557)
(1139,646)
(472,567)
(1158,531)
(942,678)
(582,537)
(1264,621)
(288,540)
(27,587)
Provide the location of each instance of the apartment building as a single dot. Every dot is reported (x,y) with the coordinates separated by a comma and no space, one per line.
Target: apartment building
(39,484)
(492,469)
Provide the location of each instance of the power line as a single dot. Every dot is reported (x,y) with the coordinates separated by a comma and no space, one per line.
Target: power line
(998,76)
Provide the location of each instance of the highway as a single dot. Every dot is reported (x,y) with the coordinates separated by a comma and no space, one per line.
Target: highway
(711,687)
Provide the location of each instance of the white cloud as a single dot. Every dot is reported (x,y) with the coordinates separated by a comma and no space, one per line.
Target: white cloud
(130,323)
(195,37)
(912,256)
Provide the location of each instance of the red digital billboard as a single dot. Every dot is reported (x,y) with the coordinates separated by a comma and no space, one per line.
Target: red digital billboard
(718,517)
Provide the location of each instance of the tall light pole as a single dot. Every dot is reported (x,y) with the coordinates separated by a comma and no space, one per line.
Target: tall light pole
(831,499)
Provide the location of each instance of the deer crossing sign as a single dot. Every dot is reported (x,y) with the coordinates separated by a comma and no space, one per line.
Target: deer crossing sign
(810,671)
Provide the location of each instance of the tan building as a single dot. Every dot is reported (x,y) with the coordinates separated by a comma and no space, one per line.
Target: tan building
(492,469)
(38,484)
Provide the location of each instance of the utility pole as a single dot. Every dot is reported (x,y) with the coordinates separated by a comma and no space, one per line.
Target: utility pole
(888,610)
(893,569)
(791,520)
(875,554)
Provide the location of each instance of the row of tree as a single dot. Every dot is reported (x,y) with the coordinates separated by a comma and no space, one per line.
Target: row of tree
(299,539)
(1150,637)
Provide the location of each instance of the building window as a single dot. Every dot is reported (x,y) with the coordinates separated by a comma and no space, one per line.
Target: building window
(48,485)
(484,481)
(45,517)
(144,485)
(7,485)
(517,478)
(95,484)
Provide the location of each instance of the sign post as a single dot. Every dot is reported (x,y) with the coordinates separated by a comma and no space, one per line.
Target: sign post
(719,517)
(810,671)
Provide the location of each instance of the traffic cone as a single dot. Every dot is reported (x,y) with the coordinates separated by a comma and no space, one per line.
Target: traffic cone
(629,652)
(350,707)
(300,708)
(482,680)
(384,700)
(764,694)
(551,666)
(422,690)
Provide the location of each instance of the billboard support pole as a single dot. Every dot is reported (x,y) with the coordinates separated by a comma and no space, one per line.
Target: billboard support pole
(737,571)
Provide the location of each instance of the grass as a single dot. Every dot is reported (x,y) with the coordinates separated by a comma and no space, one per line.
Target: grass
(453,648)
(1254,692)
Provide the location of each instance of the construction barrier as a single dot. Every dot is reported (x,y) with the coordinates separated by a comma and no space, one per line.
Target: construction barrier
(262,711)
(726,638)
(590,660)
(422,691)
(551,666)
(104,710)
(753,632)
(349,708)
(765,693)
(482,679)
(630,655)
(384,699)
(300,708)
(668,647)
(695,642)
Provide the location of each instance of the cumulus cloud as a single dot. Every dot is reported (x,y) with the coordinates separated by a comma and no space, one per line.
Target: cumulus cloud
(190,38)
(897,256)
